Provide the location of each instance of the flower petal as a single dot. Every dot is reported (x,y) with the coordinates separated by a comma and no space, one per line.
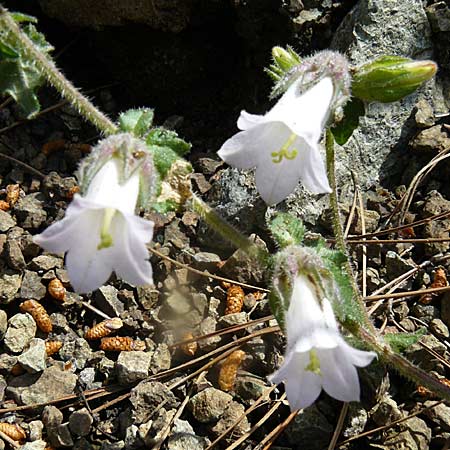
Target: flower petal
(305,114)
(247,120)
(245,149)
(130,233)
(88,267)
(339,375)
(312,170)
(358,358)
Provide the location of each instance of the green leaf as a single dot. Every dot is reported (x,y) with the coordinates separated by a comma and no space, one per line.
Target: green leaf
(165,207)
(287,230)
(20,17)
(19,76)
(353,110)
(163,158)
(136,121)
(168,138)
(401,341)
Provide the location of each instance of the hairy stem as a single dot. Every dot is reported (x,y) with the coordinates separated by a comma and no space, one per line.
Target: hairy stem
(218,224)
(54,77)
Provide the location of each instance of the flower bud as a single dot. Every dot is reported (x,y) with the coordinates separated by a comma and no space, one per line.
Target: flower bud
(390,78)
(285,59)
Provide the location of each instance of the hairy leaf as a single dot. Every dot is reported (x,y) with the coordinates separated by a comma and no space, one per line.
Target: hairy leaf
(401,341)
(343,130)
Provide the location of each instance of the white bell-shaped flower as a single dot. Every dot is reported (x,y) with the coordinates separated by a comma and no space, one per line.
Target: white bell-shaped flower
(283,144)
(100,233)
(317,356)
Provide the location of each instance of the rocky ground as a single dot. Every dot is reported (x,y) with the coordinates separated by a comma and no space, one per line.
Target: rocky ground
(147,389)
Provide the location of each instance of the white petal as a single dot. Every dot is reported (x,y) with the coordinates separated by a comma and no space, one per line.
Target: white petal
(130,253)
(316,338)
(312,171)
(245,149)
(302,386)
(88,267)
(340,377)
(105,189)
(304,114)
(247,120)
(358,358)
(58,236)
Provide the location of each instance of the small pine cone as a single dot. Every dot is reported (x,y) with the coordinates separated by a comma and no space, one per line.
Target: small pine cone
(121,344)
(52,347)
(103,329)
(12,194)
(53,146)
(235,299)
(190,348)
(4,206)
(229,368)
(13,431)
(38,313)
(439,280)
(56,289)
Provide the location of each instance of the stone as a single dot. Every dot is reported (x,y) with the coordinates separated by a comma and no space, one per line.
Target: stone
(178,303)
(439,17)
(3,323)
(386,411)
(30,212)
(396,265)
(35,428)
(80,422)
(426,313)
(420,432)
(206,261)
(35,445)
(249,388)
(423,358)
(356,420)
(147,396)
(161,359)
(106,299)
(51,384)
(21,329)
(14,256)
(438,327)
(233,319)
(6,221)
(7,362)
(9,286)
(46,262)
(132,366)
(186,441)
(435,203)
(209,405)
(434,139)
(33,359)
(57,432)
(207,326)
(3,385)
(440,414)
(233,412)
(148,297)
(424,116)
(32,288)
(76,350)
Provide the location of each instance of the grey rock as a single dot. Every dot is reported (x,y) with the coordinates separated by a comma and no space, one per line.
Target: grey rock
(233,412)
(86,378)
(439,328)
(35,445)
(209,405)
(420,432)
(53,383)
(207,326)
(425,312)
(106,300)
(80,422)
(7,362)
(35,428)
(3,385)
(119,445)
(21,329)
(174,235)
(424,115)
(356,420)
(439,17)
(434,139)
(46,262)
(396,265)
(76,350)
(435,204)
(3,323)
(14,256)
(30,212)
(132,366)
(178,303)
(148,297)
(386,411)
(186,441)
(161,359)
(9,286)
(241,267)
(422,357)
(57,432)
(32,288)
(311,428)
(33,359)
(233,319)
(206,261)
(249,388)
(147,396)
(440,414)
(6,221)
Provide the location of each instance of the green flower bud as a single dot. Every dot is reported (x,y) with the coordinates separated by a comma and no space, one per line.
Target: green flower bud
(283,61)
(390,78)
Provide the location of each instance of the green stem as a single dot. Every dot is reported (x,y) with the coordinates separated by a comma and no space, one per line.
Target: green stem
(217,223)
(55,77)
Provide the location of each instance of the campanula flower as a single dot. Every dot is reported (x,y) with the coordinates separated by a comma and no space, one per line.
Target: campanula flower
(317,356)
(283,144)
(100,232)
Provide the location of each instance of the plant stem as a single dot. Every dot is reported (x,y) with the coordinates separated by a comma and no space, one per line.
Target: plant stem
(217,223)
(54,77)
